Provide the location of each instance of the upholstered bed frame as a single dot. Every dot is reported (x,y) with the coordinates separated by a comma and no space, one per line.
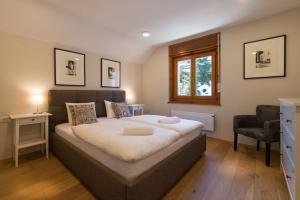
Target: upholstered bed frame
(100,180)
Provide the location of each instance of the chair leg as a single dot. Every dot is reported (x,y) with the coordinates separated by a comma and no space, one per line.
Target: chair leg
(235,141)
(257,145)
(268,154)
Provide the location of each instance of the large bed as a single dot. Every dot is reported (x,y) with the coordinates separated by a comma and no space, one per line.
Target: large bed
(108,177)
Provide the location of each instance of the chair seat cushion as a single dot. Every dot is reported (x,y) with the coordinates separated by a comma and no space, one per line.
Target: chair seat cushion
(256,133)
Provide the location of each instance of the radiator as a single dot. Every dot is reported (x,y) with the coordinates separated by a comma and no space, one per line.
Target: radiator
(208,119)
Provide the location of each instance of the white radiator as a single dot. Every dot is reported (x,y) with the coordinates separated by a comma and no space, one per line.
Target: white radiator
(208,119)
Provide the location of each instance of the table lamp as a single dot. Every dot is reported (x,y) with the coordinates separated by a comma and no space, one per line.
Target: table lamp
(129,98)
(37,100)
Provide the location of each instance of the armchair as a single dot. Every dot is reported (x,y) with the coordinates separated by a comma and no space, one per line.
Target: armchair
(264,126)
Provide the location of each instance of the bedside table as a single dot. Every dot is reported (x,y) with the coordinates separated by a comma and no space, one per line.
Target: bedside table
(136,109)
(26,119)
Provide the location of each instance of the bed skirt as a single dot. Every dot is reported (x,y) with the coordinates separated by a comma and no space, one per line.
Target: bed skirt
(107,185)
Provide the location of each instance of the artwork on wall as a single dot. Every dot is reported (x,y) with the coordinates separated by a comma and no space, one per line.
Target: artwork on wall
(69,68)
(265,58)
(110,73)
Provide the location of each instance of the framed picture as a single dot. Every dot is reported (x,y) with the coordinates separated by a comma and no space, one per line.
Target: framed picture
(265,58)
(69,68)
(110,73)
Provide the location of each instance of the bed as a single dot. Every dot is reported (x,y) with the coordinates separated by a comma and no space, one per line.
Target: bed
(109,178)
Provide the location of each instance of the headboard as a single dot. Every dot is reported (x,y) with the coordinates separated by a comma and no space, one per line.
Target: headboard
(58,98)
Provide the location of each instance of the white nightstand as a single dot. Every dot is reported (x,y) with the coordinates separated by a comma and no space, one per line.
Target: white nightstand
(26,119)
(136,109)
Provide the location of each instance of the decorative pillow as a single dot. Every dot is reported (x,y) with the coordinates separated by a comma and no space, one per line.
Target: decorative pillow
(121,110)
(72,104)
(83,114)
(109,111)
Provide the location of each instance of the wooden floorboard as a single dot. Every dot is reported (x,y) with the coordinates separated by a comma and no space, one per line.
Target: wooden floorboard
(221,174)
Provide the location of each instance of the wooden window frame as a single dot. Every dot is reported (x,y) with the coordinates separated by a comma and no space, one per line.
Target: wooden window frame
(204,50)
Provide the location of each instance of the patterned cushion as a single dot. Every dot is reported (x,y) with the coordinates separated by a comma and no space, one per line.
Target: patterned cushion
(121,110)
(83,114)
(72,104)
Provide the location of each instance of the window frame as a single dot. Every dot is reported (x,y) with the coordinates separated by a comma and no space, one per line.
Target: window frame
(214,99)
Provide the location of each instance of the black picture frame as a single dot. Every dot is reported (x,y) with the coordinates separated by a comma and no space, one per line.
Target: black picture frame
(55,68)
(102,67)
(284,58)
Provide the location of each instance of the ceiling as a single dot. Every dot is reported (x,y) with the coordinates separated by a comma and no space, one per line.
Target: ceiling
(112,28)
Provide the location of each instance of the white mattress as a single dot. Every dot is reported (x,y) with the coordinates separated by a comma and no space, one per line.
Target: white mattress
(128,170)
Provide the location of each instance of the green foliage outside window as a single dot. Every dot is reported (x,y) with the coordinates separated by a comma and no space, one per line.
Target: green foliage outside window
(203,76)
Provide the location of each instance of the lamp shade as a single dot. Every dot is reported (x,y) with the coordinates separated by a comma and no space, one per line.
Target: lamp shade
(129,98)
(37,99)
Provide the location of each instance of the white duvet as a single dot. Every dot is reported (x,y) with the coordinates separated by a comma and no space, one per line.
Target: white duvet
(108,136)
(183,127)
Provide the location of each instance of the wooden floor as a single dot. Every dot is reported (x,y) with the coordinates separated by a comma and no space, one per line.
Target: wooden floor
(221,174)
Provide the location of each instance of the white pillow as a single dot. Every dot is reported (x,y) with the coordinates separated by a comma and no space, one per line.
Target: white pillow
(72,104)
(109,111)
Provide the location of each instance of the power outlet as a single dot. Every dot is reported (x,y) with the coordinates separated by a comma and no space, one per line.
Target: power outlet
(4,119)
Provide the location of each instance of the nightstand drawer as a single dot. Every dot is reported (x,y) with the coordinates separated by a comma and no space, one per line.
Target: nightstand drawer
(136,107)
(139,107)
(32,120)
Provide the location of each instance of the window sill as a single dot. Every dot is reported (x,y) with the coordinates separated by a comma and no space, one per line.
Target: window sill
(205,103)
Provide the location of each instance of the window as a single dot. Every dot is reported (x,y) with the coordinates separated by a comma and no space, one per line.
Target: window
(184,77)
(194,71)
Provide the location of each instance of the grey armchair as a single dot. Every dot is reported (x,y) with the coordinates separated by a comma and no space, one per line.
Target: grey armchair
(264,126)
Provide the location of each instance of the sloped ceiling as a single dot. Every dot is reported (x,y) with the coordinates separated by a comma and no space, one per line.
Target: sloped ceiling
(113,28)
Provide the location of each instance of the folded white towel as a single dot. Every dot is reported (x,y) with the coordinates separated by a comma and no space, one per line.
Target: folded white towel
(138,131)
(169,120)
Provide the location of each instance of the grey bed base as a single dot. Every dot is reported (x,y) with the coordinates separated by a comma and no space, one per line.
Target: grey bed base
(106,184)
(102,181)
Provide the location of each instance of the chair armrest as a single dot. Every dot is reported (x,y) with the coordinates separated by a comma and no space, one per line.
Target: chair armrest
(245,121)
(272,130)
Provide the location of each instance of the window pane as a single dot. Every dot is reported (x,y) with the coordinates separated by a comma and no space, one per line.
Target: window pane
(203,76)
(184,78)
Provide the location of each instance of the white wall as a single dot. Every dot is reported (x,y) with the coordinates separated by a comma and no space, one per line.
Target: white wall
(27,67)
(238,96)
